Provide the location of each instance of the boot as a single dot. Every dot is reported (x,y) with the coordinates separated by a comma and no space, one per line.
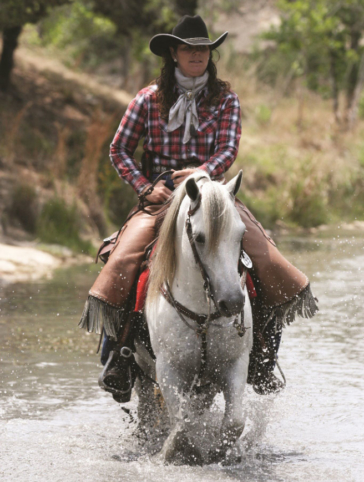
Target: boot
(263,360)
(263,380)
(117,376)
(120,368)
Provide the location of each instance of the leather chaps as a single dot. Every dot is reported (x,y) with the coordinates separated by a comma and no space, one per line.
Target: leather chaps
(283,290)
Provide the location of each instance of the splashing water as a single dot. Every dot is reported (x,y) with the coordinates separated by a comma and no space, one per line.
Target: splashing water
(57,425)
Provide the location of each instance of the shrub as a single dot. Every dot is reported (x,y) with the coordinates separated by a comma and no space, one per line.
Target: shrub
(263,114)
(60,224)
(24,207)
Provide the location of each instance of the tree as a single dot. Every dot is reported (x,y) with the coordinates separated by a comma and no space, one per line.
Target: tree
(138,20)
(14,14)
(323,40)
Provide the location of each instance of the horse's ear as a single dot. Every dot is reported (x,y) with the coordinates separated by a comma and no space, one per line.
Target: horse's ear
(233,186)
(192,189)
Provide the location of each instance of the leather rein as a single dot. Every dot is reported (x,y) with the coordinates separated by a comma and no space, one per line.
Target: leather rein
(204,321)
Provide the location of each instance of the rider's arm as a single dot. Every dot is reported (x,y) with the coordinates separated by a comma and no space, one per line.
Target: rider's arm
(227,137)
(131,129)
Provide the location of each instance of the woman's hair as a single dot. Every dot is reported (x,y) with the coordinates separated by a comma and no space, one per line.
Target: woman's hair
(166,94)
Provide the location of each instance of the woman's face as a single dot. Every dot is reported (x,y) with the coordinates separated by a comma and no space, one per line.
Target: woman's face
(191,60)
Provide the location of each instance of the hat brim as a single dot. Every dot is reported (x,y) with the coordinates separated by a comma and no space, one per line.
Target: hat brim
(160,43)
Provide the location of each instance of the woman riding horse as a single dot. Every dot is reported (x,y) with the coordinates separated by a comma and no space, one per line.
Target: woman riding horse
(189,120)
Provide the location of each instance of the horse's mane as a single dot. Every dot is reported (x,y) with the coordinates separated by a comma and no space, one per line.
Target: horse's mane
(217,219)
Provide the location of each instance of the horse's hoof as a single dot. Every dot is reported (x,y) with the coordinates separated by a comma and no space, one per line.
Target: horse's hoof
(231,434)
(181,451)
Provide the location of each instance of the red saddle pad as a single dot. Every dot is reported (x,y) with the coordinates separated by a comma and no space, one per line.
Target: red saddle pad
(143,286)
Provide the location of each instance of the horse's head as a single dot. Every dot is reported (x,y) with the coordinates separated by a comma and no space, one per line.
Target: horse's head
(212,237)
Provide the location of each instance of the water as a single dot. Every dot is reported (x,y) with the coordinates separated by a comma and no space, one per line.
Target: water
(56,424)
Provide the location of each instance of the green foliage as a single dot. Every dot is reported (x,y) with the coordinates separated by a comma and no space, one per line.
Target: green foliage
(361,108)
(147,17)
(89,33)
(281,187)
(267,208)
(82,35)
(263,114)
(118,197)
(76,151)
(308,195)
(60,224)
(347,200)
(35,143)
(14,13)
(317,40)
(23,207)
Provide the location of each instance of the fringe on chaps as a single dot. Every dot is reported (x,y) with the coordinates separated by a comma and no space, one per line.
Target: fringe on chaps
(304,304)
(98,315)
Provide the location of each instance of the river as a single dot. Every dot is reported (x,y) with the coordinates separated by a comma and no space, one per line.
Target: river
(57,425)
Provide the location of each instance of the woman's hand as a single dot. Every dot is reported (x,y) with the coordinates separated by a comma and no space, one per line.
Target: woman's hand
(160,193)
(179,176)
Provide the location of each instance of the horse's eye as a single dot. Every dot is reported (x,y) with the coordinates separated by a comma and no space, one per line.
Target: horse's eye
(200,238)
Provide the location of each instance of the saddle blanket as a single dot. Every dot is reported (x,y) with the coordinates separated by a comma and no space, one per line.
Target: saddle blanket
(142,286)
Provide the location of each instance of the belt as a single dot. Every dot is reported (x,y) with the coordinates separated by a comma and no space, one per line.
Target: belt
(158,169)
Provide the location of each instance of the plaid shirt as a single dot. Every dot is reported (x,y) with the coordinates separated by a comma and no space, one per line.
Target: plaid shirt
(214,147)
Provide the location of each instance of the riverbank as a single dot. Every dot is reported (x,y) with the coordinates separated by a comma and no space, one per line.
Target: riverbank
(31,261)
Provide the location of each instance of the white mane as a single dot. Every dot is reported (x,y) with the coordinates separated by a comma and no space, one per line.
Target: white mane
(217,219)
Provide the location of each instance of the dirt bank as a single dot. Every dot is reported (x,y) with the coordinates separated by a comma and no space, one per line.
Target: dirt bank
(32,262)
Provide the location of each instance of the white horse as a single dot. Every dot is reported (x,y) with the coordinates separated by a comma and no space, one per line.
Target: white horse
(214,231)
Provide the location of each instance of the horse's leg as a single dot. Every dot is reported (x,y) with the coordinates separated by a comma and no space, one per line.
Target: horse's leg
(234,381)
(203,397)
(151,416)
(176,393)
(147,407)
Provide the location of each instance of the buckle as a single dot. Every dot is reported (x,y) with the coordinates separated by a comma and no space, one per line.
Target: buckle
(126,352)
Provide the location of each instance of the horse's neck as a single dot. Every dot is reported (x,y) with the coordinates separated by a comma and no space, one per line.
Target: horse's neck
(187,287)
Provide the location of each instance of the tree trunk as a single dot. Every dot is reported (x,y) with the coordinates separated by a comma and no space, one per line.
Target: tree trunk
(335,88)
(125,56)
(10,43)
(352,78)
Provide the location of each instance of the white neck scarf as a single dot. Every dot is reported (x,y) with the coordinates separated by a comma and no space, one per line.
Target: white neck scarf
(184,109)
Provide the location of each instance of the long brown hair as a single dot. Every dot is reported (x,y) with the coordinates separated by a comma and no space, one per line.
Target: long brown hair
(166,94)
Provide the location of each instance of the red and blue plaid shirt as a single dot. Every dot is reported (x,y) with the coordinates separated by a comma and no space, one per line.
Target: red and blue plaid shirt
(214,146)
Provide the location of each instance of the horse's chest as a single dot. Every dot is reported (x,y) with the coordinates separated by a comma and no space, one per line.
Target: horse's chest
(224,346)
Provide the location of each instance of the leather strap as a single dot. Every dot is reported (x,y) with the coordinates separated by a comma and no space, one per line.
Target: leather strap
(199,318)
(205,276)
(192,211)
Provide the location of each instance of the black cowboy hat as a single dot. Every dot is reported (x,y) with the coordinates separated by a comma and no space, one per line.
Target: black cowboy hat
(190,31)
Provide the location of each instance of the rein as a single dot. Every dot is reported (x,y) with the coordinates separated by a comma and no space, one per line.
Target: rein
(204,321)
(143,197)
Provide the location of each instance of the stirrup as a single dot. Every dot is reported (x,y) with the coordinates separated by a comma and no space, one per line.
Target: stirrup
(117,380)
(266,384)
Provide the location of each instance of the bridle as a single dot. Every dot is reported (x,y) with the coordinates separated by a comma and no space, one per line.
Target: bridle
(205,321)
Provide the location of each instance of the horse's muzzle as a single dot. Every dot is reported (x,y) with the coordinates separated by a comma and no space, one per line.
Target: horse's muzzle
(231,306)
